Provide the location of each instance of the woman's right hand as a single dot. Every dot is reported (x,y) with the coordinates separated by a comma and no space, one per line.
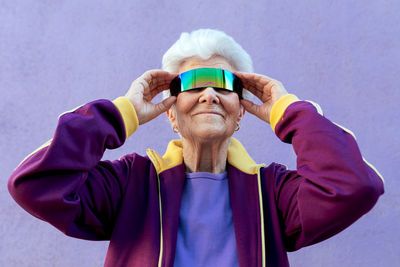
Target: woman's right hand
(145,88)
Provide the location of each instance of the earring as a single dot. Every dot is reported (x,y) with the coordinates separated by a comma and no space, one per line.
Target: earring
(175,129)
(237,127)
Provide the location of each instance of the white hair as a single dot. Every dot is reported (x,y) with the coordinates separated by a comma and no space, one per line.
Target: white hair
(206,43)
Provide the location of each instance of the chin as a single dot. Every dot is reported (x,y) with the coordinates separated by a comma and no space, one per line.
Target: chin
(211,133)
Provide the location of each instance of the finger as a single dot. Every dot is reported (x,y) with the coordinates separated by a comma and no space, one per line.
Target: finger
(155,78)
(253,77)
(249,106)
(153,86)
(159,83)
(157,90)
(167,103)
(164,105)
(254,90)
(250,84)
(159,77)
(265,91)
(253,109)
(255,82)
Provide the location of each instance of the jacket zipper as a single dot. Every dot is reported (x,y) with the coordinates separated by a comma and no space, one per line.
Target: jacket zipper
(161,226)
(150,154)
(261,216)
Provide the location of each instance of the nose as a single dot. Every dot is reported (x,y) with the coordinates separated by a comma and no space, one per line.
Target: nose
(209,96)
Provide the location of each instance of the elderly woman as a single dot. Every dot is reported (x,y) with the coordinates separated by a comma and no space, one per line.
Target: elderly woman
(205,202)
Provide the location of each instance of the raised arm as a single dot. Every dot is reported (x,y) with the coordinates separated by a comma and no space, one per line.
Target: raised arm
(333,185)
(65,183)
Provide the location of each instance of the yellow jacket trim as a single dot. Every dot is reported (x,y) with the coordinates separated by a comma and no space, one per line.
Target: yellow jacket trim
(128,114)
(237,157)
(279,108)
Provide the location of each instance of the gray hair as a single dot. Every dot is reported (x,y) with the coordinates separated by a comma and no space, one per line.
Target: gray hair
(205,43)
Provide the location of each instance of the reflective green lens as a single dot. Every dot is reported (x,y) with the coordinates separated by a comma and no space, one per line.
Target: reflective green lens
(206,77)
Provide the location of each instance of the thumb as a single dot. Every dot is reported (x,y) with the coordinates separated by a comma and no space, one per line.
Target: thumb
(153,110)
(249,106)
(254,109)
(165,104)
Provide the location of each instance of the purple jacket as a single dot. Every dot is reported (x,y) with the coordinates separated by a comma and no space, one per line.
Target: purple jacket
(134,202)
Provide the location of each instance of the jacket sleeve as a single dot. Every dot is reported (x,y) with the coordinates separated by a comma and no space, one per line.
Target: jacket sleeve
(65,183)
(333,185)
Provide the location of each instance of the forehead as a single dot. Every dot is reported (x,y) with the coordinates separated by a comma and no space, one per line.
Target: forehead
(213,62)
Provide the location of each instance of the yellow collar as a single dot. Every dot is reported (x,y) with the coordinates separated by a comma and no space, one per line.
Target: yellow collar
(237,157)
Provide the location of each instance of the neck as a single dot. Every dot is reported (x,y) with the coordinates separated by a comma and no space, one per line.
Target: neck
(205,156)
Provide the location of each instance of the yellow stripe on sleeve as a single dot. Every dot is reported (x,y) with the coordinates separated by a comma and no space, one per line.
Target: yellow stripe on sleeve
(279,108)
(128,114)
(366,162)
(39,148)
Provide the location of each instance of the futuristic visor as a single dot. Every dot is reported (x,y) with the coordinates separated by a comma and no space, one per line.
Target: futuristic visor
(206,77)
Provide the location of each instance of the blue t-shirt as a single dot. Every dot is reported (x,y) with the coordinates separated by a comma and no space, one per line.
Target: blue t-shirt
(206,236)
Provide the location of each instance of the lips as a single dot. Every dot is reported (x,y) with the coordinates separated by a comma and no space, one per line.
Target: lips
(210,112)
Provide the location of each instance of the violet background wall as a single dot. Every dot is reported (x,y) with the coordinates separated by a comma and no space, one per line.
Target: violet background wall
(345,55)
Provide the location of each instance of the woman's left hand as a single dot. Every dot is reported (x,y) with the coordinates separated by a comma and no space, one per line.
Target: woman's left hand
(266,89)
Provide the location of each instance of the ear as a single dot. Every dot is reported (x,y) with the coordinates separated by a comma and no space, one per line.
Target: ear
(171,114)
(242,111)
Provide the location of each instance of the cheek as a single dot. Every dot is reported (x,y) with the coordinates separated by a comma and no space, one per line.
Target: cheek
(185,102)
(232,105)
(183,106)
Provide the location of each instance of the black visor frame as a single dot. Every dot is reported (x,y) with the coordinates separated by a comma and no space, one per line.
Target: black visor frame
(206,77)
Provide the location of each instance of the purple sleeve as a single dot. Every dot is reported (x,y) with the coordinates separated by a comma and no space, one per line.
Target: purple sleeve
(332,187)
(66,184)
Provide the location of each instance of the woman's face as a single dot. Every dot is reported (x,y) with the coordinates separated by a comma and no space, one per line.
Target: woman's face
(206,114)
